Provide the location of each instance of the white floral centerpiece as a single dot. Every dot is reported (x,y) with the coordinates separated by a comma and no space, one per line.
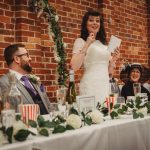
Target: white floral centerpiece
(74,121)
(96,116)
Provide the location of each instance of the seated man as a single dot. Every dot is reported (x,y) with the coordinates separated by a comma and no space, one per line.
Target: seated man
(18,61)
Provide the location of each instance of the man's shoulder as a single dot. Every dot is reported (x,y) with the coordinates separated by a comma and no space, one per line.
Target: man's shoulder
(4,78)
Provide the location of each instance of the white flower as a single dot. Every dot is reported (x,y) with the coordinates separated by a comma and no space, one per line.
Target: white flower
(57,58)
(96,116)
(18,125)
(33,78)
(74,121)
(2,138)
(56,18)
(142,110)
(65,45)
(130,109)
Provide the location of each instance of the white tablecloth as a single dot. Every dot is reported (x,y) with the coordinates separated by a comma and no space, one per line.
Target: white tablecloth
(121,134)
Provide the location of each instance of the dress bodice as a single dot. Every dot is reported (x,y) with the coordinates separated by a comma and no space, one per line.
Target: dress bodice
(97,58)
(96,54)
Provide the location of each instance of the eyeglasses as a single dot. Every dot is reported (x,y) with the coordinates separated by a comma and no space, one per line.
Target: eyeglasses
(25,54)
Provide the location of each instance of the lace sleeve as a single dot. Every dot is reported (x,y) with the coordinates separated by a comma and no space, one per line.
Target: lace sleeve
(78,45)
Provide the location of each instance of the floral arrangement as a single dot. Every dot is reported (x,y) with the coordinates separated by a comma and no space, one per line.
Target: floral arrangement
(42,7)
(138,108)
(75,120)
(18,131)
(33,78)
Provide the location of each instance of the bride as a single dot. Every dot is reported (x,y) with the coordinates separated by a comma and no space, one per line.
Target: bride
(90,50)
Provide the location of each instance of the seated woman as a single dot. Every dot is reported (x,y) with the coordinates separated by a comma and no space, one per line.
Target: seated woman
(133,73)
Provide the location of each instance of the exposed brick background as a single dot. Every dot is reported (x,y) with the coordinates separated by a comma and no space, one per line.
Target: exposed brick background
(127,19)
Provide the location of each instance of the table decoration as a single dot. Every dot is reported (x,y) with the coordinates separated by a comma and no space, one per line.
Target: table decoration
(75,120)
(18,131)
(43,9)
(138,108)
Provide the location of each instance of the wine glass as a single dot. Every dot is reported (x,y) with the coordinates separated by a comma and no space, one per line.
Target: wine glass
(61,95)
(53,110)
(114,90)
(121,100)
(136,88)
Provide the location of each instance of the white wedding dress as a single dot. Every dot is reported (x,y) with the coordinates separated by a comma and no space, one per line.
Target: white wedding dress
(95,80)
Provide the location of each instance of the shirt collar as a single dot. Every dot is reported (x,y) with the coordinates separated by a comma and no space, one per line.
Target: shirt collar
(17,74)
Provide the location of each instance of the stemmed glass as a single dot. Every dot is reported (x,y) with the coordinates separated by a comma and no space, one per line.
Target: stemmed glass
(61,95)
(136,88)
(53,110)
(121,100)
(114,89)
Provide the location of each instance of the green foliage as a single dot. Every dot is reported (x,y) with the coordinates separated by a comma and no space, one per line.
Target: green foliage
(43,132)
(59,129)
(57,38)
(86,119)
(73,111)
(18,117)
(32,123)
(113,114)
(22,135)
(9,133)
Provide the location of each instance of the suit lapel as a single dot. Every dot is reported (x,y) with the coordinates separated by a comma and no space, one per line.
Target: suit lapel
(37,87)
(25,95)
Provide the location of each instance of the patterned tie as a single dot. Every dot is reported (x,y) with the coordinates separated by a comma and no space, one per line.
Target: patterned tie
(28,85)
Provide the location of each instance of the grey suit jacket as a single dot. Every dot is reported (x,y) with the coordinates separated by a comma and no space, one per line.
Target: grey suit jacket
(25,96)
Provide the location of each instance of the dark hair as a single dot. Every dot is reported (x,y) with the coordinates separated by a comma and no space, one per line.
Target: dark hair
(134,66)
(101,35)
(10,51)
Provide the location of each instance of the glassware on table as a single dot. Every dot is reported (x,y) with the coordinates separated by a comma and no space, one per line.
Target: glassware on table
(114,90)
(53,110)
(121,100)
(61,95)
(136,88)
(143,96)
(129,98)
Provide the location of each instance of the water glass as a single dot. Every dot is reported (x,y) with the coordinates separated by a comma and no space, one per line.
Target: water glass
(121,100)
(53,110)
(61,95)
(136,88)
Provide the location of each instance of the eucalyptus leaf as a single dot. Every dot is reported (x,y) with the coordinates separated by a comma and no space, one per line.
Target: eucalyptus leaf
(113,114)
(141,115)
(73,111)
(22,135)
(124,108)
(120,111)
(68,127)
(135,115)
(62,120)
(83,114)
(40,121)
(59,129)
(43,132)
(32,123)
(18,117)
(9,133)
(116,106)
(88,120)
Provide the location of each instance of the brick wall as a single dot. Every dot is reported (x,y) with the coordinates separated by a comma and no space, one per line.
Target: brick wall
(126,19)
(148,29)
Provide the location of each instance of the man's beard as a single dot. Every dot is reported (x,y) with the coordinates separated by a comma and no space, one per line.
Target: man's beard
(27,68)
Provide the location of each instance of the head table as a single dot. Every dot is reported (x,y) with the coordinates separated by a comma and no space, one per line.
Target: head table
(118,134)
